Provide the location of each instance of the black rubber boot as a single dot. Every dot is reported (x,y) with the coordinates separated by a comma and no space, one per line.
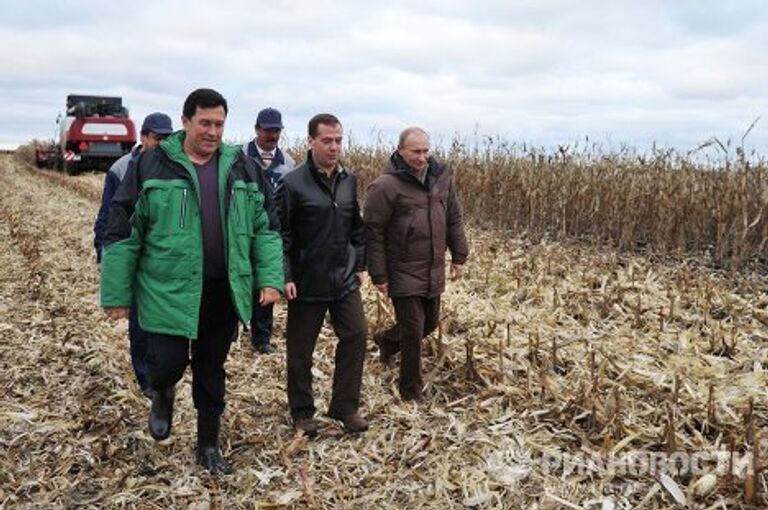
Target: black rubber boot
(161,415)
(208,452)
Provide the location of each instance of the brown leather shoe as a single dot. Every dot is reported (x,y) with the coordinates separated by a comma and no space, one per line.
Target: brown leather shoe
(306,425)
(353,422)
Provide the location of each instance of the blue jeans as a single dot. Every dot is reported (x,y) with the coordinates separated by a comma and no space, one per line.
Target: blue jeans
(261,324)
(139,340)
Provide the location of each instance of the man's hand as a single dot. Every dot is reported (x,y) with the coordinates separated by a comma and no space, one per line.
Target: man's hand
(382,287)
(456,271)
(290,290)
(117,313)
(361,276)
(268,295)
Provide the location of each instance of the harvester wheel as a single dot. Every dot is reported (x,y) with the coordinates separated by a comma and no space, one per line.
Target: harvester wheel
(72,167)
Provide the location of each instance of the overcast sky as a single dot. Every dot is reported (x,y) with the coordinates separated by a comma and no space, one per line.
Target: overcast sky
(544,71)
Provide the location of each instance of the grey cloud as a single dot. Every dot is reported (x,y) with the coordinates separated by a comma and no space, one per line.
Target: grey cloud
(543,70)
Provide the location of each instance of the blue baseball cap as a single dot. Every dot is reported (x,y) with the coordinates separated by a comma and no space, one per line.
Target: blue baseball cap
(158,123)
(269,118)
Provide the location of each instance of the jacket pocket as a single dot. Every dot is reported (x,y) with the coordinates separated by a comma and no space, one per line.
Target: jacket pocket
(236,208)
(407,242)
(245,205)
(169,205)
(255,208)
(160,268)
(414,234)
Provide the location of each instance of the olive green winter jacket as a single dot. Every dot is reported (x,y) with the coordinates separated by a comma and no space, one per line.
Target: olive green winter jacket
(154,246)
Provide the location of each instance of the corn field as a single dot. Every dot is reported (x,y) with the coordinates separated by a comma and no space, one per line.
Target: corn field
(596,321)
(666,203)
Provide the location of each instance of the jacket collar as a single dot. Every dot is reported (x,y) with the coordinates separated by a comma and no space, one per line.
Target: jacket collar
(340,170)
(399,167)
(173,148)
(253,151)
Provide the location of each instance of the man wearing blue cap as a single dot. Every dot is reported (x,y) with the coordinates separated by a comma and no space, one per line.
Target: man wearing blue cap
(274,163)
(155,127)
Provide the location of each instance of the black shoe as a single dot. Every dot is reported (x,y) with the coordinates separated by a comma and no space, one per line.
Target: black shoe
(208,452)
(386,356)
(264,348)
(161,415)
(412,396)
(211,459)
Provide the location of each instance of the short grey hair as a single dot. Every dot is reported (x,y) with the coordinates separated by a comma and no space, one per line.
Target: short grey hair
(408,132)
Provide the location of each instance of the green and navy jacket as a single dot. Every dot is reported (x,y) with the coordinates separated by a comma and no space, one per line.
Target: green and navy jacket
(153,248)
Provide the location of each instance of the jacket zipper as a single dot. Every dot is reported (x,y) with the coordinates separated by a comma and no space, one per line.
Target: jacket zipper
(233,205)
(188,177)
(335,207)
(431,242)
(183,208)
(227,244)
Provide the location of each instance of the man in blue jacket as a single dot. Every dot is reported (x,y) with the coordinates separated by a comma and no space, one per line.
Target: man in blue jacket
(155,127)
(274,163)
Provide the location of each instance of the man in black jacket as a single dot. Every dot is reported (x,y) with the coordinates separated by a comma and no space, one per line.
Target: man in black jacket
(324,244)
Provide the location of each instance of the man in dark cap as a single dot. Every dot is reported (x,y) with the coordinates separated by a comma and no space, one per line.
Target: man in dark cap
(274,164)
(155,127)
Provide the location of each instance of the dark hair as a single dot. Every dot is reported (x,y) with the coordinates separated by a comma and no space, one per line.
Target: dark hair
(321,118)
(204,98)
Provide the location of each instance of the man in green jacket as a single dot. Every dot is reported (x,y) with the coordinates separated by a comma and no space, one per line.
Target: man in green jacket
(188,235)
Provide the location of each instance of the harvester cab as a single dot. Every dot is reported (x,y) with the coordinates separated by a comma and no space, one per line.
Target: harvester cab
(94,133)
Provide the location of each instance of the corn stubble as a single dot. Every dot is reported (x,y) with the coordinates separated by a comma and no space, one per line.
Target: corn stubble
(547,347)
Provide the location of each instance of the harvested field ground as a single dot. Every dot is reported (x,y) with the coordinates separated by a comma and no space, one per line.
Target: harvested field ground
(546,352)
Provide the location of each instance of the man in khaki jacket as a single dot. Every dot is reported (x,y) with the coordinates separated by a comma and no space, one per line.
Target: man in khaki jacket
(412,215)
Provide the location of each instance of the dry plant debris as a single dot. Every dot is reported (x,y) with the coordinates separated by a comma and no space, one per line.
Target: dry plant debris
(545,351)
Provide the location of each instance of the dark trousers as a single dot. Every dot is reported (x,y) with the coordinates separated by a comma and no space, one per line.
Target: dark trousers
(303,327)
(169,355)
(139,340)
(261,324)
(416,318)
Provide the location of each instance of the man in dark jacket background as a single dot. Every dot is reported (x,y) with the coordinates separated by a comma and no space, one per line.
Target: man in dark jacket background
(156,127)
(412,214)
(324,245)
(274,163)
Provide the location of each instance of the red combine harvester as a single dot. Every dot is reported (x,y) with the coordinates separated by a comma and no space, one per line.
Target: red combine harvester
(95,132)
